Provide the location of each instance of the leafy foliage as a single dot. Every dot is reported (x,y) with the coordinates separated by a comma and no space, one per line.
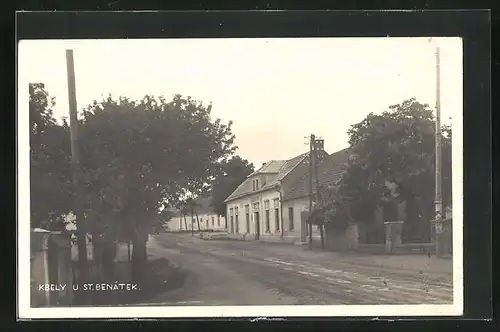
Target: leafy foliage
(392,160)
(139,156)
(234,172)
(50,162)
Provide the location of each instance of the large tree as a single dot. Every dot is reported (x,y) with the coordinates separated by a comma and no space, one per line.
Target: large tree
(392,160)
(140,156)
(234,172)
(50,156)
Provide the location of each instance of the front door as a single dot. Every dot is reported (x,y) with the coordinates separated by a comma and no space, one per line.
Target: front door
(303,226)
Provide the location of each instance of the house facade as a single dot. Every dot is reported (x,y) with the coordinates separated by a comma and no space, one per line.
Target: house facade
(257,209)
(296,197)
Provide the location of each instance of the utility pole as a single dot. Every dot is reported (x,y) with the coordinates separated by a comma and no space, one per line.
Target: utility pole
(75,163)
(316,158)
(438,199)
(312,144)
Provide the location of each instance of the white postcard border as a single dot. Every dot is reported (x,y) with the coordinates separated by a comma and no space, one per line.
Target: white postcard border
(23,254)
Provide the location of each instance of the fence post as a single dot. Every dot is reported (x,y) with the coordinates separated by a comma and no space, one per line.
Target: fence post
(39,267)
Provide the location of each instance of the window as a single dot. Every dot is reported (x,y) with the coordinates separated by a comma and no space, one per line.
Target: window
(290,218)
(277,218)
(253,185)
(218,220)
(247,217)
(266,207)
(257,222)
(213,221)
(236,220)
(256,210)
(268,226)
(276,203)
(256,184)
(208,223)
(231,211)
(277,213)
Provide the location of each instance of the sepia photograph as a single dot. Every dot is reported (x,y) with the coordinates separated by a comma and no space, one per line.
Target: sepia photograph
(235,177)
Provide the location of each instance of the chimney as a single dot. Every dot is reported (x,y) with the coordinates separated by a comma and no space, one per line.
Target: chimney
(320,144)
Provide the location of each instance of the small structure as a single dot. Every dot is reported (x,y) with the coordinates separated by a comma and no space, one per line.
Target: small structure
(51,269)
(204,213)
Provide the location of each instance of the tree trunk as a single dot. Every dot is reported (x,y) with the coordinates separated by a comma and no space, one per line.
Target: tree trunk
(108,260)
(128,252)
(139,257)
(97,251)
(321,232)
(185,221)
(197,220)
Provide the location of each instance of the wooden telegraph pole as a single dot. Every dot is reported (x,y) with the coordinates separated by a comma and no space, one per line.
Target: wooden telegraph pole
(311,160)
(75,163)
(438,198)
(316,178)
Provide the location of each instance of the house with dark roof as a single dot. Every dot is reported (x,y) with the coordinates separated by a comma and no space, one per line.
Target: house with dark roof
(295,200)
(256,208)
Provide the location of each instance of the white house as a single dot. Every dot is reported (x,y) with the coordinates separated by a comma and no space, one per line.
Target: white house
(296,198)
(203,215)
(257,207)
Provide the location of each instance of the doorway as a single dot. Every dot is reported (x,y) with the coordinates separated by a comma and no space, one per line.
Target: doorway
(257,225)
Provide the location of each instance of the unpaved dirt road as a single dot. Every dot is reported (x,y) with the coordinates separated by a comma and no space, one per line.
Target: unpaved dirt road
(224,272)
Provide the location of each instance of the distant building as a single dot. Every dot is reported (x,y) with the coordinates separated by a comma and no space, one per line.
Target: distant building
(202,213)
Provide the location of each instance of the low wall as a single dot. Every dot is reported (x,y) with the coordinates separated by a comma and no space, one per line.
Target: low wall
(342,240)
(442,236)
(349,240)
(371,248)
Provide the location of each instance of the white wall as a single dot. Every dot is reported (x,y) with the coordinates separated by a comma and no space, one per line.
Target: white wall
(240,203)
(177,224)
(211,221)
(299,205)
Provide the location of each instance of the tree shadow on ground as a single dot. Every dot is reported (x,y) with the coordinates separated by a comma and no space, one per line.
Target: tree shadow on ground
(160,276)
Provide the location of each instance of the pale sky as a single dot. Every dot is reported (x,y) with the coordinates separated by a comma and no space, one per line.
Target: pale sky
(277,91)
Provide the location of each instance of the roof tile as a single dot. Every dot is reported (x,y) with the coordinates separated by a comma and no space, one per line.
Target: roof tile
(330,171)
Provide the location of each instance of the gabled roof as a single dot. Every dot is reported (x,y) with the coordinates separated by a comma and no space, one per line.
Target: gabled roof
(272,166)
(286,166)
(246,187)
(285,169)
(330,171)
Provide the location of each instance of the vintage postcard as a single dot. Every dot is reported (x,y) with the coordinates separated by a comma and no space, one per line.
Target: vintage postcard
(259,177)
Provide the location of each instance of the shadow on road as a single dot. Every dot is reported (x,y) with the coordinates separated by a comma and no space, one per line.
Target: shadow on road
(161,276)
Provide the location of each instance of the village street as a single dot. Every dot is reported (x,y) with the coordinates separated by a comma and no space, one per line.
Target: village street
(225,272)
